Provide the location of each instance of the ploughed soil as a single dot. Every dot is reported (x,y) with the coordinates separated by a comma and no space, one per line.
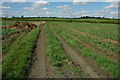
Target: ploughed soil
(40,67)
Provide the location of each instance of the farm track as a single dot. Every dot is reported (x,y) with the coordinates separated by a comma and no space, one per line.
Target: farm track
(78,59)
(66,69)
(97,49)
(40,67)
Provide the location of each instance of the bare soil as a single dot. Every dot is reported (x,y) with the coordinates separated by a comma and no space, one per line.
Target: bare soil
(110,40)
(40,67)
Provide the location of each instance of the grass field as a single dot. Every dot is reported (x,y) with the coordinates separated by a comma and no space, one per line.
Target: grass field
(76,49)
(17,53)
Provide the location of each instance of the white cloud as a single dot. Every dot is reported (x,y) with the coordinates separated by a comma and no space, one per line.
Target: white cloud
(65,7)
(41,2)
(37,6)
(49,13)
(113,5)
(25,12)
(82,2)
(17,0)
(26,8)
(0,2)
(2,13)
(81,13)
(114,12)
(111,0)
(66,11)
(45,8)
(4,7)
(106,13)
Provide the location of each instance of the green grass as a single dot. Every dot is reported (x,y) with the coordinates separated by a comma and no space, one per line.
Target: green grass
(102,61)
(94,42)
(57,56)
(98,29)
(8,43)
(6,31)
(7,22)
(15,65)
(113,21)
(105,30)
(55,50)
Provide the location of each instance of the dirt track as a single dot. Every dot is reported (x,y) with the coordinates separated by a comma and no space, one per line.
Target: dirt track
(40,67)
(78,59)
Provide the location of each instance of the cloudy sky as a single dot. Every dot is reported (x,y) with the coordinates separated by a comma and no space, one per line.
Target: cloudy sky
(59,8)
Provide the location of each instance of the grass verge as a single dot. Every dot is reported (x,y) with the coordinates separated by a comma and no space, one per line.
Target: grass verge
(15,65)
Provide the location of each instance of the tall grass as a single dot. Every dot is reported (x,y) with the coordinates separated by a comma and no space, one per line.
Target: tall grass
(15,65)
(6,31)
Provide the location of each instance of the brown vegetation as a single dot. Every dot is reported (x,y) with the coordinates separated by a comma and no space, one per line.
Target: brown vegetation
(21,25)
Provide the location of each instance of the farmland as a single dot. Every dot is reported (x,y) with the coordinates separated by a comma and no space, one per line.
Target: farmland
(60,48)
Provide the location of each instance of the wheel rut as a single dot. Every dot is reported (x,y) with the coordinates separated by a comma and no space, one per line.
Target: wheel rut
(78,59)
(40,67)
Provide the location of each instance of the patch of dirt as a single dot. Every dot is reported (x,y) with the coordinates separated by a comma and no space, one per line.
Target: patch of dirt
(40,67)
(68,72)
(21,25)
(96,28)
(109,40)
(109,55)
(41,23)
(79,59)
(100,70)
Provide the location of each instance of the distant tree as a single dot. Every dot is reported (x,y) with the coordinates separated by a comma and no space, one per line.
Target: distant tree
(13,16)
(22,16)
(98,17)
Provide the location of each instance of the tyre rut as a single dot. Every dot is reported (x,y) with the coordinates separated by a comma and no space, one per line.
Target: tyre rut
(77,58)
(40,67)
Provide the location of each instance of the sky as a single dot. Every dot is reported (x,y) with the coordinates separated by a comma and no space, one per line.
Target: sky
(59,8)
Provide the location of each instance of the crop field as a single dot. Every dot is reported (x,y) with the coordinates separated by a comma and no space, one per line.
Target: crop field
(59,49)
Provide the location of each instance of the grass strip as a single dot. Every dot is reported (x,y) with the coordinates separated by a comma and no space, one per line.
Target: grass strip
(15,65)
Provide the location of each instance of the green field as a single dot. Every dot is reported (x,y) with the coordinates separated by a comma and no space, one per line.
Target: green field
(10,20)
(95,41)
